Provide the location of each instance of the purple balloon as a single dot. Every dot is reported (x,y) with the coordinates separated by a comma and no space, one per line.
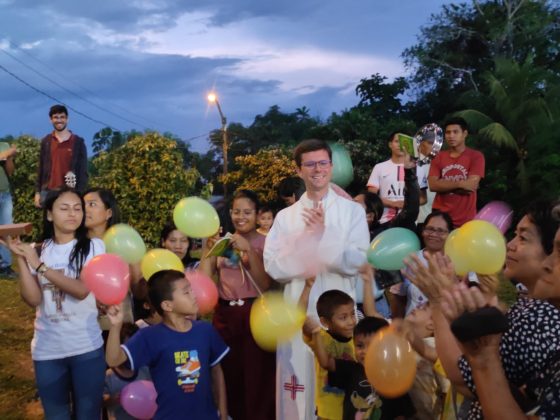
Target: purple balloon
(498,213)
(138,399)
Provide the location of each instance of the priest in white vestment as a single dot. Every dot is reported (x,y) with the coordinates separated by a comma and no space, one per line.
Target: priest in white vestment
(324,235)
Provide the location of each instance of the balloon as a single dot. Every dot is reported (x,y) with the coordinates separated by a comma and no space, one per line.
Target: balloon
(159,259)
(196,218)
(390,363)
(274,320)
(342,171)
(484,245)
(204,290)
(498,213)
(107,276)
(138,399)
(390,247)
(455,250)
(125,242)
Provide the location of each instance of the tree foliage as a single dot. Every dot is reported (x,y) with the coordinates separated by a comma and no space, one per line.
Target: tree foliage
(147,176)
(262,171)
(23,182)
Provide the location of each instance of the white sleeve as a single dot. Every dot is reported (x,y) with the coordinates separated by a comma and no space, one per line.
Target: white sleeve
(373,180)
(279,252)
(422,175)
(346,258)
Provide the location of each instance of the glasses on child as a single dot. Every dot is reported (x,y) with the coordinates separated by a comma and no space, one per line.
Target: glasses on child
(312,164)
(435,231)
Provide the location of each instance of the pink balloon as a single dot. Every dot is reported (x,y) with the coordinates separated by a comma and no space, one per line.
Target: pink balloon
(498,213)
(204,289)
(138,399)
(107,276)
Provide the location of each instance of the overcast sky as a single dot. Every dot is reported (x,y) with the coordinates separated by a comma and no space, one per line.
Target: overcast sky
(137,64)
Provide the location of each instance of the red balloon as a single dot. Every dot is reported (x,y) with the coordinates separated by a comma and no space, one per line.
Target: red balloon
(107,276)
(204,290)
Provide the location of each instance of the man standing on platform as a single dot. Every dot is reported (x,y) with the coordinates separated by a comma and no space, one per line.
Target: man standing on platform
(62,159)
(455,174)
(322,235)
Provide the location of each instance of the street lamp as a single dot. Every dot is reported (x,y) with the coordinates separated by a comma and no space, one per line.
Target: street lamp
(212,98)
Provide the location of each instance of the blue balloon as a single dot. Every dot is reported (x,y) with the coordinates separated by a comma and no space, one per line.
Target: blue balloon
(388,249)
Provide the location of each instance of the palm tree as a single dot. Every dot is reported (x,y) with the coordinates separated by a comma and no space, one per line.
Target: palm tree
(520,102)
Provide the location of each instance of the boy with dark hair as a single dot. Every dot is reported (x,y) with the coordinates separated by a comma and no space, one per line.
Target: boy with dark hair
(183,355)
(290,190)
(359,395)
(455,174)
(336,312)
(347,375)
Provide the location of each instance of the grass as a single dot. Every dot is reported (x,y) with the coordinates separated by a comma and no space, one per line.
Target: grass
(17,383)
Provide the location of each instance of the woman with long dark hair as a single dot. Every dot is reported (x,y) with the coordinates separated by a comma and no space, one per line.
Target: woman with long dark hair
(102,211)
(177,242)
(67,349)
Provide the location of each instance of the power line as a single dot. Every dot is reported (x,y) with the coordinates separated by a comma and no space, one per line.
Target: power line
(69,91)
(57,100)
(44,64)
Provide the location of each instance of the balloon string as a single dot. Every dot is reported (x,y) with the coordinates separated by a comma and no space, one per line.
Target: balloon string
(243,270)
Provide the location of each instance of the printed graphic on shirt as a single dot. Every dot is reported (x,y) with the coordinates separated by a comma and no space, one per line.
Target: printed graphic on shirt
(188,371)
(368,408)
(54,299)
(454,172)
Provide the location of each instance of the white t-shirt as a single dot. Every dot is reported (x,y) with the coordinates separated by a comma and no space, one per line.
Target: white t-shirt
(425,209)
(388,178)
(65,326)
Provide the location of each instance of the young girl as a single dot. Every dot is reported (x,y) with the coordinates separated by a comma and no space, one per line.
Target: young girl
(249,371)
(265,219)
(177,242)
(67,348)
(102,211)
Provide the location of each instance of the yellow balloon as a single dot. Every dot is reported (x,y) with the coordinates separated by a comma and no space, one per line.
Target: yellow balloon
(159,259)
(274,321)
(390,363)
(485,245)
(455,249)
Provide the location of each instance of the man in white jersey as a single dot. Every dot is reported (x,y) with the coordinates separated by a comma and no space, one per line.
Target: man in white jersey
(322,235)
(387,180)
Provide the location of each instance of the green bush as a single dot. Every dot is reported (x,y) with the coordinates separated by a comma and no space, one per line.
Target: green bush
(23,183)
(146,175)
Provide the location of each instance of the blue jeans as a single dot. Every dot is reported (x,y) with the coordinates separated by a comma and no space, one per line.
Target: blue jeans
(81,377)
(6,207)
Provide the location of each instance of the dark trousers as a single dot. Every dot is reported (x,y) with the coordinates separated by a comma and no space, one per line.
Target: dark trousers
(249,371)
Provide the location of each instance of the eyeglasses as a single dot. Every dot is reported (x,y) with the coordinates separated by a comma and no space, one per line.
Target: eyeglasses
(242,212)
(435,231)
(311,164)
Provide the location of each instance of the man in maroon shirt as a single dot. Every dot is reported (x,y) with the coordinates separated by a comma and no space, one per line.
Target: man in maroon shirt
(63,158)
(455,174)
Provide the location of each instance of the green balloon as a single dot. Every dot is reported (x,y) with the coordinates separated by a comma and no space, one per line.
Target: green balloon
(125,242)
(388,249)
(343,171)
(196,218)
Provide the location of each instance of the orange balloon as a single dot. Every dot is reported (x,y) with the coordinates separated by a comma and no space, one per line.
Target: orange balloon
(390,363)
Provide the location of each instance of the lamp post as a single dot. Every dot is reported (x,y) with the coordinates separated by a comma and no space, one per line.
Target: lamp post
(212,98)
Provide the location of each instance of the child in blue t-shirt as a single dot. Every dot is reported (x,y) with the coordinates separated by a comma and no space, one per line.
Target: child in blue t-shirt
(183,355)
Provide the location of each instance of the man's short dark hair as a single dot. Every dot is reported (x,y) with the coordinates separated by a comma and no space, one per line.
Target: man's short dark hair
(310,145)
(456,121)
(291,186)
(160,287)
(58,109)
(369,325)
(329,301)
(393,134)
